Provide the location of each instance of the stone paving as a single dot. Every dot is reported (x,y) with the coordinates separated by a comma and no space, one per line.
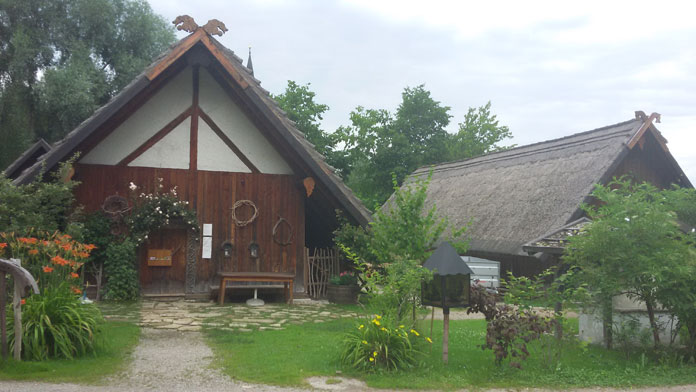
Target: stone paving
(188,316)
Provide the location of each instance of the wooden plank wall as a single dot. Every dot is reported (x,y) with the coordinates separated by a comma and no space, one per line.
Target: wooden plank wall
(213,195)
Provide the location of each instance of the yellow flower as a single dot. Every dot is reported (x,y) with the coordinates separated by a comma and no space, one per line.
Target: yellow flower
(374,354)
(361,326)
(429,340)
(401,326)
(413,331)
(383,329)
(372,359)
(378,317)
(364,342)
(376,322)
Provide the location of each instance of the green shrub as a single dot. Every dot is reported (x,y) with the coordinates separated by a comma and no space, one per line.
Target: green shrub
(345,278)
(119,263)
(56,325)
(376,344)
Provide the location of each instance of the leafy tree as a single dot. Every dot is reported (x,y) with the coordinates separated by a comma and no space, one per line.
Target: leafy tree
(60,60)
(379,143)
(298,102)
(479,134)
(392,249)
(634,246)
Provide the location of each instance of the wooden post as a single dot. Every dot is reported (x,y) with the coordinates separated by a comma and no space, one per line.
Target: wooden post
(3,315)
(17,321)
(445,335)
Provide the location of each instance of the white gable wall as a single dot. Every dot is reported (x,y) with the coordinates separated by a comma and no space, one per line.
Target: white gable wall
(213,153)
(238,128)
(170,101)
(172,151)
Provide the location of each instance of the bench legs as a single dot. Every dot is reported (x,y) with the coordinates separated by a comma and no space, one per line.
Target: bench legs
(289,287)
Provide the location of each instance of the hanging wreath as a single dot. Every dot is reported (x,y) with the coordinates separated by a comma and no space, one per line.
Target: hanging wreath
(242,203)
(282,241)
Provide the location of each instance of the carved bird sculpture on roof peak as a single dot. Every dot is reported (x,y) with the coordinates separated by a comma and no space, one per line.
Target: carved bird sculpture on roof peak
(186,23)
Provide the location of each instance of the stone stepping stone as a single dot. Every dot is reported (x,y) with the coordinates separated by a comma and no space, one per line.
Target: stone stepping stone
(190,328)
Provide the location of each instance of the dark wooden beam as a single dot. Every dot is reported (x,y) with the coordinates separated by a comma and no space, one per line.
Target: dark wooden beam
(227,141)
(156,137)
(193,150)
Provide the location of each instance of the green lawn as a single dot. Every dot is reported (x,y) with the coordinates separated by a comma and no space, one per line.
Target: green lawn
(289,356)
(115,342)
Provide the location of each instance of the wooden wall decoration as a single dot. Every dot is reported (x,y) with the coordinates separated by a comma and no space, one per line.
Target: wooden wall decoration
(309,185)
(238,205)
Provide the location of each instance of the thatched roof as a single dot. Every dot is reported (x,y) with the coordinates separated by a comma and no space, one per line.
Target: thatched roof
(554,242)
(257,96)
(518,195)
(27,159)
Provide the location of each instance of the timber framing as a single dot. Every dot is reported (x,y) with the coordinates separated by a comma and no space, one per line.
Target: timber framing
(240,86)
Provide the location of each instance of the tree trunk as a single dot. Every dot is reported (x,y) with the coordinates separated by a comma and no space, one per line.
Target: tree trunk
(653,324)
(607,318)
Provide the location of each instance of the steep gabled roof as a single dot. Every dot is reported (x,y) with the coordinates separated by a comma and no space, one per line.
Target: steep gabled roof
(252,92)
(27,159)
(514,196)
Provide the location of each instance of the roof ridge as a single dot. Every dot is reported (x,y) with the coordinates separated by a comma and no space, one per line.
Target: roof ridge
(505,154)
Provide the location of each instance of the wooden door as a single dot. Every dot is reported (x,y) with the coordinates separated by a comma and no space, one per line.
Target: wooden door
(164,279)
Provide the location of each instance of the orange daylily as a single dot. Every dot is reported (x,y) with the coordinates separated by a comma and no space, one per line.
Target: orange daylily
(90,246)
(3,245)
(23,302)
(74,275)
(47,269)
(59,260)
(33,251)
(76,290)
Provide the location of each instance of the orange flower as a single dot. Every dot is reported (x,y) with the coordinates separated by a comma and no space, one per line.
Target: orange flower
(76,290)
(82,255)
(67,236)
(45,243)
(74,275)
(32,240)
(59,260)
(33,251)
(47,269)
(23,240)
(3,245)
(66,246)
(23,302)
(90,246)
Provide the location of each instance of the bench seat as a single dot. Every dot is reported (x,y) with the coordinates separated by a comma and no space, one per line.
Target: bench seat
(283,277)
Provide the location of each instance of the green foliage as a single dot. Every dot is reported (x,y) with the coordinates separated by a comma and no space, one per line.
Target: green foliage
(40,205)
(57,325)
(59,60)
(378,143)
(345,278)
(635,246)
(391,251)
(479,134)
(379,344)
(298,102)
(121,272)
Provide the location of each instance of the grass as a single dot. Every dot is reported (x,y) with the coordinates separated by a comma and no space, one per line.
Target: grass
(115,342)
(289,356)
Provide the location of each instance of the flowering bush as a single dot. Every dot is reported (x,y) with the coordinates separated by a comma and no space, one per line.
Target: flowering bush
(51,258)
(154,210)
(376,344)
(345,278)
(54,322)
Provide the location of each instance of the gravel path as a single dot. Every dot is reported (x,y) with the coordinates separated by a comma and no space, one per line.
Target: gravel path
(165,360)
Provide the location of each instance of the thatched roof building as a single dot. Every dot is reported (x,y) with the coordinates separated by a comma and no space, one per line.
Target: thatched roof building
(518,195)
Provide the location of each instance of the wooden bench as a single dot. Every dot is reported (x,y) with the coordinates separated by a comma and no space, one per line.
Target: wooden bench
(283,277)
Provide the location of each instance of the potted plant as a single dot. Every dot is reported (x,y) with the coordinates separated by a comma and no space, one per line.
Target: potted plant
(343,288)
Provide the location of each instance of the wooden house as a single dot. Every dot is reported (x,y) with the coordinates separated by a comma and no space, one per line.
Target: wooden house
(199,120)
(513,197)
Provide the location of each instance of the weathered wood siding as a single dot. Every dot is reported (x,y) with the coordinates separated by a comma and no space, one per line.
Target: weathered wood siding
(213,194)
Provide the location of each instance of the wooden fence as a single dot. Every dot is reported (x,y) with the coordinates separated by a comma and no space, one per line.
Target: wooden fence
(320,266)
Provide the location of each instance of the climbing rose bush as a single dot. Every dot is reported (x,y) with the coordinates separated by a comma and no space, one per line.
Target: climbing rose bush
(379,344)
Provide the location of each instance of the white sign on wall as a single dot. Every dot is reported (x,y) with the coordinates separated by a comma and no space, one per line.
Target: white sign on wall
(207,240)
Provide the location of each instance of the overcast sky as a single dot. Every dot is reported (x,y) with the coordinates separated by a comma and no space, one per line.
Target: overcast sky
(550,68)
